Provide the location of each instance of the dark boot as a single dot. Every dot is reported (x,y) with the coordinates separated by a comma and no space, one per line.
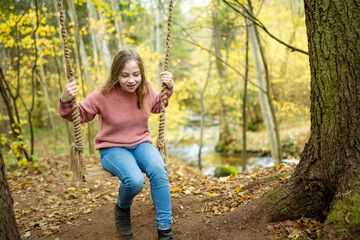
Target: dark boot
(165,234)
(122,221)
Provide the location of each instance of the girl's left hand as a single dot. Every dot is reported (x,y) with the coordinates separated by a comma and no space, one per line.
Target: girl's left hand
(166,78)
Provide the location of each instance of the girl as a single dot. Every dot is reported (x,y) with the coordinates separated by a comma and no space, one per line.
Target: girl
(123,105)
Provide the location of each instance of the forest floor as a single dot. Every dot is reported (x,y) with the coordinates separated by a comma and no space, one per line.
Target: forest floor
(50,205)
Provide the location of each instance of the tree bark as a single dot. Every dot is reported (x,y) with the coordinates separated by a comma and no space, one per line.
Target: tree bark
(158,41)
(45,91)
(264,102)
(92,22)
(202,122)
(103,43)
(80,46)
(69,134)
(218,46)
(118,22)
(60,87)
(244,151)
(278,155)
(327,177)
(8,227)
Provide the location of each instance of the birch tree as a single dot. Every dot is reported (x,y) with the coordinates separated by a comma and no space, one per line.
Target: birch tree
(45,91)
(118,22)
(103,43)
(202,107)
(158,42)
(244,150)
(80,45)
(93,36)
(218,46)
(263,94)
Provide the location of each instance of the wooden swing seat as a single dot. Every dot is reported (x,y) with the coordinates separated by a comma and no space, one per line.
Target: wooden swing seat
(97,173)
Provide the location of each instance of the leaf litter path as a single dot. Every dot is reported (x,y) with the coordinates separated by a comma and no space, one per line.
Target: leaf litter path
(49,205)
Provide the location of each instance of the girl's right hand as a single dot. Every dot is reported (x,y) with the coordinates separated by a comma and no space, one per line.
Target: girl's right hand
(69,92)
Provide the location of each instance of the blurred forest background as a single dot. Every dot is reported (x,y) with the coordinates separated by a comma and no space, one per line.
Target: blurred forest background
(240,70)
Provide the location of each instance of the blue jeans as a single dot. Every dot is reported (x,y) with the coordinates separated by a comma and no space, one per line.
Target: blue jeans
(128,163)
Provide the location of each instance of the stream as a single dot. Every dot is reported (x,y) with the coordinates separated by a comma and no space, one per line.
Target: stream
(186,149)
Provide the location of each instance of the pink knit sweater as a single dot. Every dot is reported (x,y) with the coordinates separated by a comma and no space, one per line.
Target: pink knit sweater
(121,123)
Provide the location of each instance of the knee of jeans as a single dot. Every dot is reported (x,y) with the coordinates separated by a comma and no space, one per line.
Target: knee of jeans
(158,172)
(134,184)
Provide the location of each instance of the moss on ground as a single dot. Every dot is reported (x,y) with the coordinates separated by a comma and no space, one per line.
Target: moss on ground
(345,213)
(224,171)
(279,175)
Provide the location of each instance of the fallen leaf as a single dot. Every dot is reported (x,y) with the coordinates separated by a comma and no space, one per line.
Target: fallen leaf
(174,189)
(295,234)
(347,217)
(27,234)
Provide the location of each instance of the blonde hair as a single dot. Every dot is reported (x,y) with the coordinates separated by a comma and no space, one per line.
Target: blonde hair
(118,64)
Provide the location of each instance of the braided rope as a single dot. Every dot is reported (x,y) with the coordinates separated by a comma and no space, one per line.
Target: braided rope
(162,122)
(78,163)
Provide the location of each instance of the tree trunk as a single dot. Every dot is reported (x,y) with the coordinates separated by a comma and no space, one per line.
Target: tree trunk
(15,126)
(202,123)
(244,151)
(327,177)
(278,156)
(94,45)
(103,43)
(80,46)
(8,227)
(158,42)
(45,91)
(264,102)
(69,134)
(118,22)
(47,99)
(218,46)
(60,87)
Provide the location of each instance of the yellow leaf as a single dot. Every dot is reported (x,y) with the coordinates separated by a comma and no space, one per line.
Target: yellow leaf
(24,160)
(238,189)
(174,189)
(109,30)
(36,165)
(212,194)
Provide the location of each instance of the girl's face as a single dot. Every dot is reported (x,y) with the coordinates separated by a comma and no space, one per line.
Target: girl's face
(130,77)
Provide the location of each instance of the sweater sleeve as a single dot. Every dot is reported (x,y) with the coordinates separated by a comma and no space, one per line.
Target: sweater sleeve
(87,109)
(156,99)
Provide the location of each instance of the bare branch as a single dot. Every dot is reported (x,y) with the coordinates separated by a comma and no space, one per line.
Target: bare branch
(257,22)
(193,42)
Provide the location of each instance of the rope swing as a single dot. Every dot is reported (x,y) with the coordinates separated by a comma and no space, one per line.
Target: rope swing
(162,121)
(78,163)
